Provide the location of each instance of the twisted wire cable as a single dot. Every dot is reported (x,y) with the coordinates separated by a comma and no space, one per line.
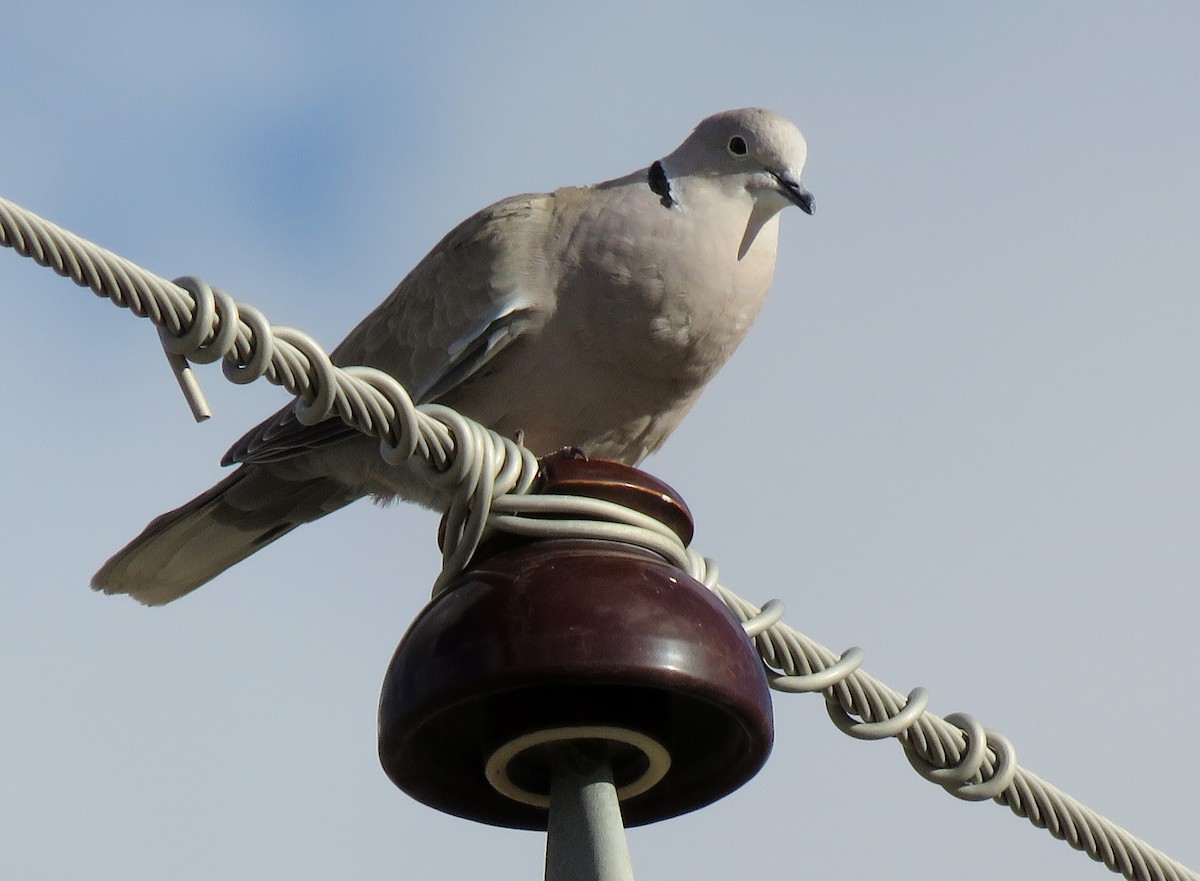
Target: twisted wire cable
(201,324)
(492,475)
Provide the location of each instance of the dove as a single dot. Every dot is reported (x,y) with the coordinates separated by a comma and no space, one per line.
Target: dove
(589,317)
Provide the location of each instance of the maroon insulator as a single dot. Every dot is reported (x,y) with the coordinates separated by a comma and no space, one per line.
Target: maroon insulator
(544,642)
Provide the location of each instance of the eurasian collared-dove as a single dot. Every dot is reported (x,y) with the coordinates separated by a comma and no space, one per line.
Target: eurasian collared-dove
(588,317)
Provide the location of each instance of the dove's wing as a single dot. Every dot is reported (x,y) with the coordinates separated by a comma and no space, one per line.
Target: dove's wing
(472,296)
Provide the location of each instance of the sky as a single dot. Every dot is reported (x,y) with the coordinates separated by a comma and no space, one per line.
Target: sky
(962,435)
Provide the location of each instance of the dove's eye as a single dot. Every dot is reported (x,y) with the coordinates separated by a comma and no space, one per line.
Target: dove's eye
(737,146)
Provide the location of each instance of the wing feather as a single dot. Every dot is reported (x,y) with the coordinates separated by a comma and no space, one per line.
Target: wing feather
(470,298)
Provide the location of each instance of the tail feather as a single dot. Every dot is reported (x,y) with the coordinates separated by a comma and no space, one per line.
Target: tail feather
(182,549)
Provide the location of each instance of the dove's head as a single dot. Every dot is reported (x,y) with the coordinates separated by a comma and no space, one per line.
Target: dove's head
(755,148)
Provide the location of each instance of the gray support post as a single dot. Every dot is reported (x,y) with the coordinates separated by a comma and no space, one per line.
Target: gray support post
(585,837)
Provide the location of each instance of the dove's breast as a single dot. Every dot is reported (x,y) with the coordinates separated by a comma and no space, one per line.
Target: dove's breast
(648,304)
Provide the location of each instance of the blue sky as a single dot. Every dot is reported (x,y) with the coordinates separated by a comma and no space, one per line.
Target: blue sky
(962,436)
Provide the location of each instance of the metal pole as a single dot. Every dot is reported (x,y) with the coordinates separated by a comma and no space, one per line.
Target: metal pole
(585,838)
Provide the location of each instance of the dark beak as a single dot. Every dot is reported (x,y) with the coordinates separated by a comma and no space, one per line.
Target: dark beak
(796,193)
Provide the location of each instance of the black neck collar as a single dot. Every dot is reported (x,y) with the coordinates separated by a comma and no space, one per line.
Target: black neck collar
(657,178)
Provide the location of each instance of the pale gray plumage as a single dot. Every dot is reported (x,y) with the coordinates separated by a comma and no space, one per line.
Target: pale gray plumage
(589,317)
